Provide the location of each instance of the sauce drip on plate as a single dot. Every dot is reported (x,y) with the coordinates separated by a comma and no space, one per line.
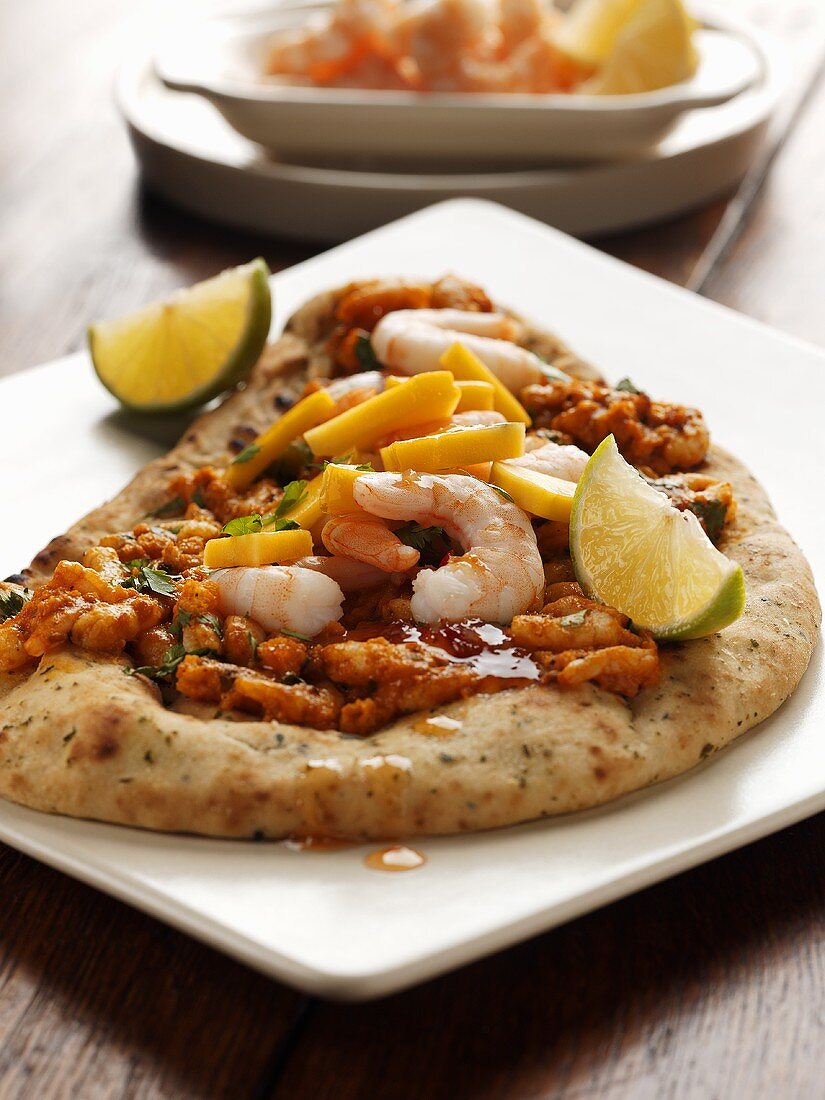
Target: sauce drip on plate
(395,858)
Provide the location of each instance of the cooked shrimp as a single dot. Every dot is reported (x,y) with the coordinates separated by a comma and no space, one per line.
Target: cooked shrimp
(280,597)
(520,21)
(368,539)
(476,418)
(327,47)
(364,380)
(433,36)
(413,341)
(499,575)
(351,574)
(536,64)
(554,459)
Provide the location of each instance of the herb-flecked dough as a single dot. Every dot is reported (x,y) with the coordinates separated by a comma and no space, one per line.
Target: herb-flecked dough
(79,737)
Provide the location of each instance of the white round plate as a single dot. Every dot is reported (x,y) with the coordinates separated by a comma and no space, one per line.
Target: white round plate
(224,60)
(191,155)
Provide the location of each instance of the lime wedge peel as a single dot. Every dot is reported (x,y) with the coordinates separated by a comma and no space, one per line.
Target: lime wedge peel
(634,551)
(188,349)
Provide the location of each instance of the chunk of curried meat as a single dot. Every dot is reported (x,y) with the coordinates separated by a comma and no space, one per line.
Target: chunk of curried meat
(299,704)
(241,638)
(583,629)
(648,433)
(620,669)
(283,655)
(80,605)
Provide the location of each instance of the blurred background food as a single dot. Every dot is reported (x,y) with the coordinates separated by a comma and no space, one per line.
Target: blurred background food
(598,46)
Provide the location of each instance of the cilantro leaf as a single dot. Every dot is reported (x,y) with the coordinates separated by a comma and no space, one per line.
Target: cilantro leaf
(169,666)
(294,493)
(502,493)
(148,579)
(244,525)
(174,507)
(296,458)
(431,543)
(365,354)
(712,514)
(164,671)
(624,385)
(11,603)
(208,619)
(246,454)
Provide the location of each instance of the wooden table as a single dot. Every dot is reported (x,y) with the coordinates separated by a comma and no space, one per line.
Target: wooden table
(709,985)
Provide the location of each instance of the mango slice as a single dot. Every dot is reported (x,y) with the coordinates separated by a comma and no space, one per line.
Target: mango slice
(475,394)
(261,548)
(456,447)
(251,462)
(308,510)
(337,497)
(466,367)
(423,398)
(538,494)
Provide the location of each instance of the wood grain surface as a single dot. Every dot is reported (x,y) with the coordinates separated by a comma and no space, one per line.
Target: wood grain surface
(710,985)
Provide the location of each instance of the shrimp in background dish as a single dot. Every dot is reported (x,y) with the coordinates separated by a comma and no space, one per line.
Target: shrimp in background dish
(328,48)
(434,36)
(280,597)
(413,341)
(499,575)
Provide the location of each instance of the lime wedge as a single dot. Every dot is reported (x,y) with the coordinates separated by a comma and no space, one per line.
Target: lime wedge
(633,550)
(186,350)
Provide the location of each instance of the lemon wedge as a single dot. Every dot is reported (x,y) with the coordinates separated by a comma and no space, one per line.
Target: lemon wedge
(633,550)
(188,349)
(638,45)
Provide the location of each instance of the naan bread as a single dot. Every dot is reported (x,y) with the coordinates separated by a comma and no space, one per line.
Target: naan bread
(79,737)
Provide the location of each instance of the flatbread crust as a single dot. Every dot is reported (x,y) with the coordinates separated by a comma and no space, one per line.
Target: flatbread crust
(79,737)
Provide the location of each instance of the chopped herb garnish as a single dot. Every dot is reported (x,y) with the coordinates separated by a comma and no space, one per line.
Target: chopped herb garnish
(12,603)
(173,507)
(712,513)
(246,454)
(502,493)
(365,354)
(624,385)
(164,671)
(147,579)
(171,659)
(431,543)
(253,646)
(208,619)
(294,493)
(137,563)
(295,459)
(295,634)
(244,525)
(184,618)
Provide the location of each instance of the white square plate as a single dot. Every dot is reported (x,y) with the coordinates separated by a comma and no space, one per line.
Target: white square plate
(322,921)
